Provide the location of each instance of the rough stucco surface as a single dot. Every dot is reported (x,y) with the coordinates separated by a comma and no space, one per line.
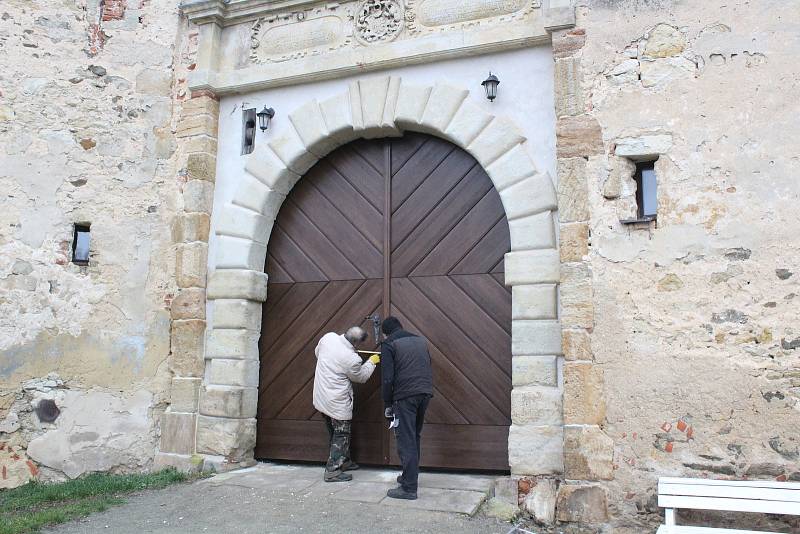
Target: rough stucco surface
(697,324)
(87,100)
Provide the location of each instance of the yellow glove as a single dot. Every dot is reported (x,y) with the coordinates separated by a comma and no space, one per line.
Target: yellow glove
(375,359)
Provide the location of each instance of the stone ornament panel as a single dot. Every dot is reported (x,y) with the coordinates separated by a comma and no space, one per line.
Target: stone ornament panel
(305,40)
(373,108)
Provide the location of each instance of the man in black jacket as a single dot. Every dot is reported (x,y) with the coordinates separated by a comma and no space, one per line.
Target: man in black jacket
(407,389)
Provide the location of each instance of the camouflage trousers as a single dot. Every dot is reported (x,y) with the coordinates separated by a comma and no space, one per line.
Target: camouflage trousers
(339,432)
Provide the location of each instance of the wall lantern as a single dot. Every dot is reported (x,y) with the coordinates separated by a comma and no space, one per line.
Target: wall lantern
(490,85)
(264,118)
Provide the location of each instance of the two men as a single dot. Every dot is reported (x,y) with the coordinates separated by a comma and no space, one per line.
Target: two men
(407,387)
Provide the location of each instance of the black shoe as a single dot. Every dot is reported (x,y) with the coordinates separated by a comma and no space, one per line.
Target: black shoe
(337,476)
(350,465)
(400,493)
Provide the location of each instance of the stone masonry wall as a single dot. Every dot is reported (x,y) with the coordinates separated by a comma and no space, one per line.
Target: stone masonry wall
(88,98)
(683,334)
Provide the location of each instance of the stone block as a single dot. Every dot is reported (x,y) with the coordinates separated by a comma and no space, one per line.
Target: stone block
(253,194)
(532,267)
(291,151)
(558,15)
(661,73)
(184,463)
(236,221)
(499,136)
(177,432)
(368,99)
(540,502)
(310,126)
(536,405)
(265,165)
(237,284)
(588,453)
(237,313)
(512,167)
(202,104)
(189,303)
(643,146)
(532,195)
(584,398)
(190,227)
(201,166)
(411,102)
(664,41)
(535,338)
(198,196)
(506,489)
(534,301)
(467,123)
(567,42)
(581,504)
(336,113)
(199,143)
(536,450)
(534,370)
(229,401)
(197,125)
(232,438)
(186,341)
(232,344)
(578,137)
(191,264)
(576,345)
(577,306)
(533,232)
(500,509)
(243,373)
(620,181)
(238,253)
(183,394)
(568,87)
(573,242)
(573,190)
(442,106)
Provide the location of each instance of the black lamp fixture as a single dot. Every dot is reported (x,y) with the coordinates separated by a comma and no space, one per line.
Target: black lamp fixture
(490,85)
(265,117)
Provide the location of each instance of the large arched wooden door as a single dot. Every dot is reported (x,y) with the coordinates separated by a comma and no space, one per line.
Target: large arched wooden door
(409,226)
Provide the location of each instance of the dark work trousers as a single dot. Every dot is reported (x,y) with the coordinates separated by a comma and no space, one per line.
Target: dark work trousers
(339,432)
(410,413)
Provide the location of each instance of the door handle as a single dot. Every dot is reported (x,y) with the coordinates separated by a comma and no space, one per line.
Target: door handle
(376,327)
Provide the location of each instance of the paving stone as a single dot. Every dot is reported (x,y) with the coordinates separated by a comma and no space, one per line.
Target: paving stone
(442,500)
(372,492)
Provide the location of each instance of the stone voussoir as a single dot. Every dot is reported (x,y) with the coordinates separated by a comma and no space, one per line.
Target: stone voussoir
(441,108)
(533,232)
(534,301)
(294,155)
(255,195)
(310,126)
(336,114)
(468,122)
(512,167)
(237,284)
(536,405)
(532,267)
(236,221)
(530,338)
(265,165)
(239,253)
(411,102)
(534,371)
(223,372)
(499,137)
(532,195)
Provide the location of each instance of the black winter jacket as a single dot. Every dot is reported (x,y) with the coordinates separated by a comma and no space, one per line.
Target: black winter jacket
(405,367)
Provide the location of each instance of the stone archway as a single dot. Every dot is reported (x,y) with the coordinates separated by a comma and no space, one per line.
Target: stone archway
(370,108)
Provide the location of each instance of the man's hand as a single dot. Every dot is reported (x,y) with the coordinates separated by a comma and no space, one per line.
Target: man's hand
(388,413)
(375,359)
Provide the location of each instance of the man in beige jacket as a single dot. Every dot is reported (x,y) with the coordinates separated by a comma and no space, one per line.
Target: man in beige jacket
(338,364)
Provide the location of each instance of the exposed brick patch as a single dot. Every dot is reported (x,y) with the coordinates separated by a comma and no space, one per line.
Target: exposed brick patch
(567,42)
(113,10)
(97,38)
(205,92)
(578,137)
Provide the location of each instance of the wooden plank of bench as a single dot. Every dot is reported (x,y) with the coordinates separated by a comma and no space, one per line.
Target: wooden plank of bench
(677,529)
(730,505)
(731,492)
(734,483)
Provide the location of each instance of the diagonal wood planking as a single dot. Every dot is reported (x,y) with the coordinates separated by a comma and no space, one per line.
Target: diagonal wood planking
(325,266)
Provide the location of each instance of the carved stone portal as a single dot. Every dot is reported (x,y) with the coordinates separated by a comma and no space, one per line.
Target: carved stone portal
(379,20)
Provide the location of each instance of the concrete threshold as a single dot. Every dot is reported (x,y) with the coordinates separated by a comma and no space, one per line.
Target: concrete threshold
(440,492)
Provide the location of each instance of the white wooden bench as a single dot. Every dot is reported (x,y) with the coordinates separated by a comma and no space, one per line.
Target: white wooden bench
(734,496)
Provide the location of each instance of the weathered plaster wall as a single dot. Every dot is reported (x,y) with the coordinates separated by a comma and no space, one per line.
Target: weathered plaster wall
(87,100)
(694,319)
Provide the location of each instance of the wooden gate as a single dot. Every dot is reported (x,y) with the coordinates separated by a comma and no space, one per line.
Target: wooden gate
(409,226)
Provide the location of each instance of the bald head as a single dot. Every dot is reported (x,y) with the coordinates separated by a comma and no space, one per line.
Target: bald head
(355,334)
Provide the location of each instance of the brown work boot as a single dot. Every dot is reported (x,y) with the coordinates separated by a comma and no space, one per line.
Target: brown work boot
(337,476)
(350,465)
